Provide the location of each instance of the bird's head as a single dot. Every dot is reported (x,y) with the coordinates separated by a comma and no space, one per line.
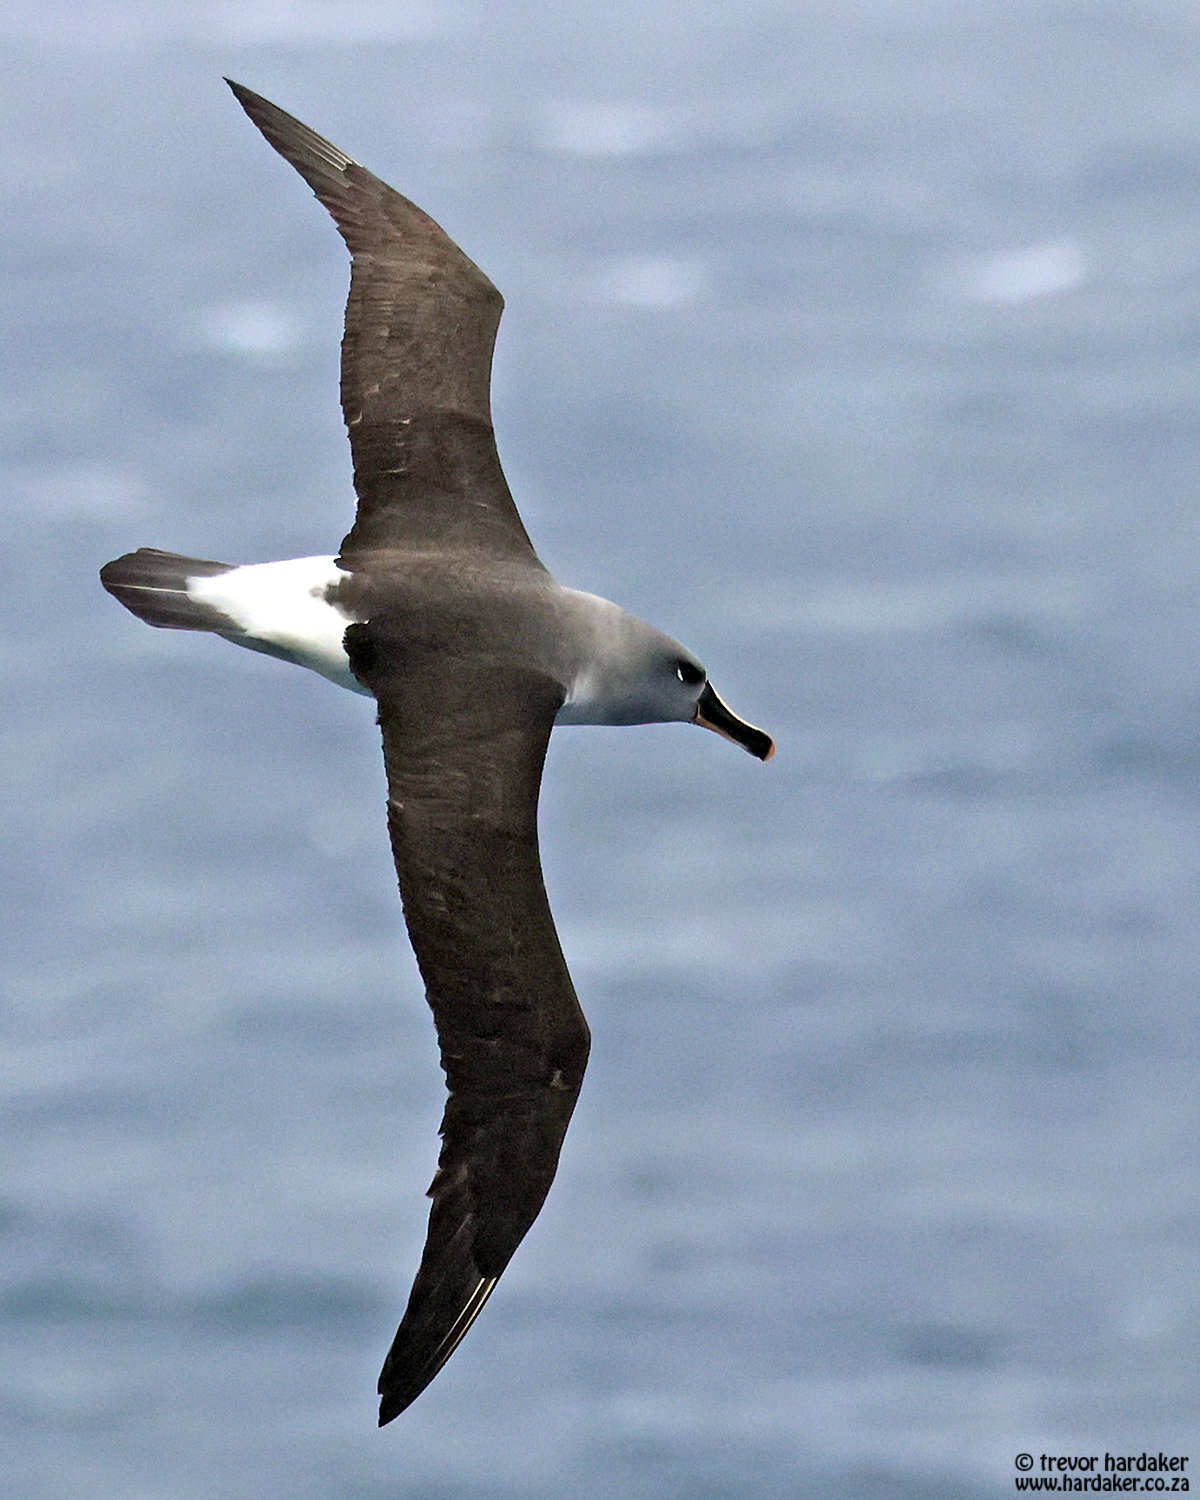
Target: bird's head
(637,675)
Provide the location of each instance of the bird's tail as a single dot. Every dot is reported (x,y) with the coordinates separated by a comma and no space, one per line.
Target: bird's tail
(154,586)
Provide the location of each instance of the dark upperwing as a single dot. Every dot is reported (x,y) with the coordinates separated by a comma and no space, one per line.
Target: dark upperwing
(464,741)
(465,729)
(421,322)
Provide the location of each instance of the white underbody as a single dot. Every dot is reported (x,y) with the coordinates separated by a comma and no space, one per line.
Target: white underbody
(283,608)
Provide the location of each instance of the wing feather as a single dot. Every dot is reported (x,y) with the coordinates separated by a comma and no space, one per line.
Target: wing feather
(465,729)
(421,322)
(464,741)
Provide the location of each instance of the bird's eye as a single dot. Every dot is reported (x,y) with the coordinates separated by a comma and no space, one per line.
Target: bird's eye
(688,672)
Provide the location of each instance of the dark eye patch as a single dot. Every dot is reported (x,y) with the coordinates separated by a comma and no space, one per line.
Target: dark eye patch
(688,672)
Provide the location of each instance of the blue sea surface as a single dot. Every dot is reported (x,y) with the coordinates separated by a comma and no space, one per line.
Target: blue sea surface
(857,346)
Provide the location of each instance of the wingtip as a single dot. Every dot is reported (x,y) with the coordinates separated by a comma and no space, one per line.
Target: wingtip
(260,110)
(398,1398)
(390,1409)
(395,1399)
(319,162)
(257,107)
(415,1357)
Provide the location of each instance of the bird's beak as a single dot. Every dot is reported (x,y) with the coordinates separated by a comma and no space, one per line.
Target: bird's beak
(712,714)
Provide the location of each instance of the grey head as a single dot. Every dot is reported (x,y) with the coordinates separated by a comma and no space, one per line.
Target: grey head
(632,673)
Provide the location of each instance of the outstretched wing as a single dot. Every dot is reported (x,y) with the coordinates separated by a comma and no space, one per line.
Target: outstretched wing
(465,730)
(421,324)
(464,743)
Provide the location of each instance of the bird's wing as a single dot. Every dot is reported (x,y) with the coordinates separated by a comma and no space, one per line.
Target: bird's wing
(464,738)
(464,733)
(421,323)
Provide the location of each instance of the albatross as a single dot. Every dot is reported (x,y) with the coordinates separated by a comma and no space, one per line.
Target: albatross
(438,607)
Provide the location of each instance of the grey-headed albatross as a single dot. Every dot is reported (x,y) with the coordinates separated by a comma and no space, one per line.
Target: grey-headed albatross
(438,607)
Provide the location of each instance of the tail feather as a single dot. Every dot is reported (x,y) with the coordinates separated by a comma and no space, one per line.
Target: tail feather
(154,586)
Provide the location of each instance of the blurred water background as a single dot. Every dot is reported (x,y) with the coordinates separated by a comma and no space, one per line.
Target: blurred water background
(855,344)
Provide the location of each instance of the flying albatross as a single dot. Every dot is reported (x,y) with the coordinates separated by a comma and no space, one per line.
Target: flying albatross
(438,607)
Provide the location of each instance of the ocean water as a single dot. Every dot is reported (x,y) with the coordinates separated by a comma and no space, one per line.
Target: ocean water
(856,346)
